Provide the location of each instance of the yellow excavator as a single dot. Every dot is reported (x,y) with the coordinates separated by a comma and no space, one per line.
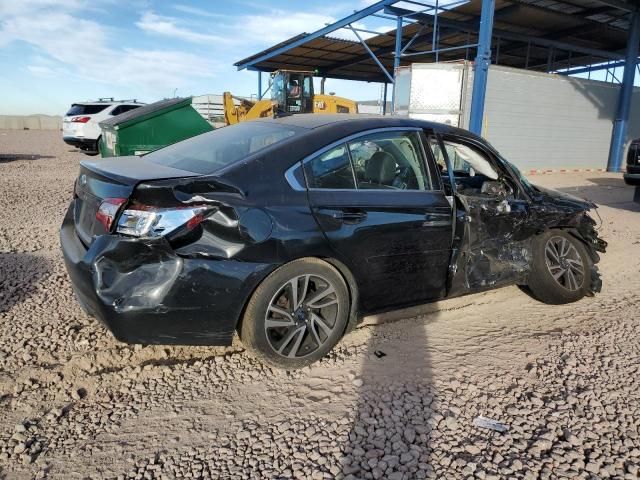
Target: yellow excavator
(291,93)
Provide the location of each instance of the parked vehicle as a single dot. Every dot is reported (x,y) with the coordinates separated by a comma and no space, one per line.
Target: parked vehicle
(80,127)
(632,176)
(289,230)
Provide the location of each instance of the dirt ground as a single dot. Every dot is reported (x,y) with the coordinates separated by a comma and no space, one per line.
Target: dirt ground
(75,403)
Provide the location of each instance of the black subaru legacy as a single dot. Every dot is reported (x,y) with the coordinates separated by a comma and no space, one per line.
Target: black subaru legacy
(290,230)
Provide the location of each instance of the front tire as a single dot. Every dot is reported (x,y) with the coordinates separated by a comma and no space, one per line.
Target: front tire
(561,268)
(297,314)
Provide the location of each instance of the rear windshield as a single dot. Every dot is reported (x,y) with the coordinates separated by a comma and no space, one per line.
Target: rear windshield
(212,151)
(79,109)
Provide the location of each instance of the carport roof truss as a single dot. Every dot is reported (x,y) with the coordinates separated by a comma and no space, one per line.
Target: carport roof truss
(542,35)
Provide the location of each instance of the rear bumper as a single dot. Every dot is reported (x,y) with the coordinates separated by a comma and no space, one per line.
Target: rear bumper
(145,293)
(81,143)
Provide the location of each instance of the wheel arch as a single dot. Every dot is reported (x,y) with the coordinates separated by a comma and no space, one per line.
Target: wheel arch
(345,273)
(575,233)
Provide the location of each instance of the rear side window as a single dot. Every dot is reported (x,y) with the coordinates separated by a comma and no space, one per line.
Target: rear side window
(332,169)
(80,109)
(388,160)
(213,151)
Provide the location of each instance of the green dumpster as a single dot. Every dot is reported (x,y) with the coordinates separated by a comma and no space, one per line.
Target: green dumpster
(151,127)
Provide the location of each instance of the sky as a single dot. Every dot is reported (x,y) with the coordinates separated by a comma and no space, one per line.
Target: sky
(54,53)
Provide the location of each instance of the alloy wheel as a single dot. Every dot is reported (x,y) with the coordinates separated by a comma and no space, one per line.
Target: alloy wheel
(301,316)
(564,263)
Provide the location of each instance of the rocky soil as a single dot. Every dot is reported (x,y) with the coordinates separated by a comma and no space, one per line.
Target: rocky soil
(75,403)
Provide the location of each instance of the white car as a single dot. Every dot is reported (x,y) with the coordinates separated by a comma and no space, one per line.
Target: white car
(81,127)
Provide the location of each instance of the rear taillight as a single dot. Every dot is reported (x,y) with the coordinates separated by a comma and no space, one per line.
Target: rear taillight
(108,210)
(80,119)
(144,221)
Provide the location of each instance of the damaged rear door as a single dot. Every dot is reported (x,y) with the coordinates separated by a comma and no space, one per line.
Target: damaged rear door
(492,236)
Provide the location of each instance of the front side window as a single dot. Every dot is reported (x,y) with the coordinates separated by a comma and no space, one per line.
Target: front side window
(307,86)
(389,160)
(332,170)
(467,161)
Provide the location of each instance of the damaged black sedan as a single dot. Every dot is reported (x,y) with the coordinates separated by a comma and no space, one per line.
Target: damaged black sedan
(290,230)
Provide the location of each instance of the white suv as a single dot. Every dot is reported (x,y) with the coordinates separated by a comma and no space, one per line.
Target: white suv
(81,127)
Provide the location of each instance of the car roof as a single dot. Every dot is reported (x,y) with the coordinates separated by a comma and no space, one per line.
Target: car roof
(109,102)
(314,120)
(317,131)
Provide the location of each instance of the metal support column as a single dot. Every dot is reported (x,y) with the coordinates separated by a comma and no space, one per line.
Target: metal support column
(384,99)
(396,61)
(619,133)
(481,66)
(259,85)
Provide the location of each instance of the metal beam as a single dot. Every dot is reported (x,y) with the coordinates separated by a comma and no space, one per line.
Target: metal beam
(384,99)
(508,35)
(595,68)
(396,61)
(584,15)
(481,66)
(619,4)
(360,14)
(259,85)
(366,47)
(619,134)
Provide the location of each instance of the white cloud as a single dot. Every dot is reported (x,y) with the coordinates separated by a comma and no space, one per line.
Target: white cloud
(278,25)
(81,48)
(198,11)
(9,8)
(167,26)
(41,70)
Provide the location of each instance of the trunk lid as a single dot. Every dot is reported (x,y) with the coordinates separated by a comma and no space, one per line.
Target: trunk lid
(111,178)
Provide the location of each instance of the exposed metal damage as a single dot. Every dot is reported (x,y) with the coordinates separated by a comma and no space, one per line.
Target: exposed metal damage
(494,245)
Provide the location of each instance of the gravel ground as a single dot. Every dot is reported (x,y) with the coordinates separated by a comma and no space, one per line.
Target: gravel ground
(75,403)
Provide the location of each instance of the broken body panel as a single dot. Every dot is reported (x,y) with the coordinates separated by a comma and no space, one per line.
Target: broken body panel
(191,286)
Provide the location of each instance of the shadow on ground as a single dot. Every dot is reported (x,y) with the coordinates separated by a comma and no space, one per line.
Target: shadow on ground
(395,413)
(12,157)
(20,275)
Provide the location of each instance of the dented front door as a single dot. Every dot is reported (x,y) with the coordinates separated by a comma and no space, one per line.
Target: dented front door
(492,240)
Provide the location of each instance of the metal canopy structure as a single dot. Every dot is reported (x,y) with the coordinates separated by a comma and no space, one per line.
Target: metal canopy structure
(564,36)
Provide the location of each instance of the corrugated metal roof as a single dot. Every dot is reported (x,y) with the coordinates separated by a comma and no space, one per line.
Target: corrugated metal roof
(595,30)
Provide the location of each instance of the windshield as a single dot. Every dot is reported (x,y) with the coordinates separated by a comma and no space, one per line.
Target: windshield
(212,151)
(524,180)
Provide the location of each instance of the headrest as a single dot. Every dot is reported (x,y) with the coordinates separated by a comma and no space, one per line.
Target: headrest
(381,168)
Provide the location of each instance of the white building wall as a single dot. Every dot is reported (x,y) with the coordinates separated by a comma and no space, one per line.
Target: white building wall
(539,120)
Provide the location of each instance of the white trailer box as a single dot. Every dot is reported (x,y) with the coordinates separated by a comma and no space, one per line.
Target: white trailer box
(536,120)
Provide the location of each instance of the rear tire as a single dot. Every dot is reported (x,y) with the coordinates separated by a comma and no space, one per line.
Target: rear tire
(561,268)
(296,315)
